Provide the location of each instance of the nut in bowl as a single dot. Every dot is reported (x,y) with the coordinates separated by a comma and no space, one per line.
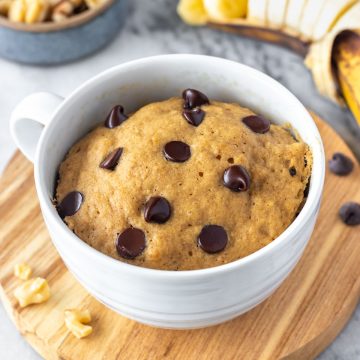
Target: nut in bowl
(168,298)
(47,32)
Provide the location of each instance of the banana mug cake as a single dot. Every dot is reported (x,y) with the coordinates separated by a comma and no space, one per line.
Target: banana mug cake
(183,184)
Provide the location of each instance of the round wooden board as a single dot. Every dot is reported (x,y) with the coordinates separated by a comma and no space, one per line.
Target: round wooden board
(297,322)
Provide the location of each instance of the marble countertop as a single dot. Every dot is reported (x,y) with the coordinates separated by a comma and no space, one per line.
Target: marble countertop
(153,28)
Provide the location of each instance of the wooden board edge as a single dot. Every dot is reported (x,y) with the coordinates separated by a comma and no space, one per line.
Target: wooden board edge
(314,348)
(43,349)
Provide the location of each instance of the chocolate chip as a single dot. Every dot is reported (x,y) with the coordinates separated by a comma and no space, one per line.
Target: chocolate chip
(116,117)
(177,151)
(70,204)
(340,164)
(212,239)
(111,161)
(350,213)
(292,171)
(257,123)
(236,178)
(157,210)
(130,243)
(194,116)
(194,98)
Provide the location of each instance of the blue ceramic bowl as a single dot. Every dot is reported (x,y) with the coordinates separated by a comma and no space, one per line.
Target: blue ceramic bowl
(55,43)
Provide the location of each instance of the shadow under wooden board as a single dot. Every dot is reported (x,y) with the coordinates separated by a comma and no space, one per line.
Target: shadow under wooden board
(297,322)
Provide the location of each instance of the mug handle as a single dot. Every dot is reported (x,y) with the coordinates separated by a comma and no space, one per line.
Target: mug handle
(29,118)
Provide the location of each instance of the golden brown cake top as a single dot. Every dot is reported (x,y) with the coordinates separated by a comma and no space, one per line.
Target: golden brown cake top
(148,186)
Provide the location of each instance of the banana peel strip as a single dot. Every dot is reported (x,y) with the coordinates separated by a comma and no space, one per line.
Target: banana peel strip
(319,58)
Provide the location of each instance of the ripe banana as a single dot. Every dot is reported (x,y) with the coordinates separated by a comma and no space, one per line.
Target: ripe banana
(226,9)
(275,13)
(293,15)
(257,11)
(347,70)
(330,14)
(310,27)
(320,57)
(310,16)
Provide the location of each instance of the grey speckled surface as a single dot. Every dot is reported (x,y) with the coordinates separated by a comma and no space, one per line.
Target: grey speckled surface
(153,28)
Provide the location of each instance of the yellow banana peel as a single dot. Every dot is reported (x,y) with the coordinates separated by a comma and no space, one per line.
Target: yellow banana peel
(281,22)
(346,56)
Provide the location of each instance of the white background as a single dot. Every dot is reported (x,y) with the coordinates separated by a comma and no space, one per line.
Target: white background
(153,28)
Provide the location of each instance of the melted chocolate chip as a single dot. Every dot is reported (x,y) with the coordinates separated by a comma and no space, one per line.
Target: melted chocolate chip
(292,171)
(70,204)
(157,210)
(350,213)
(116,117)
(236,178)
(111,161)
(257,123)
(212,239)
(130,243)
(194,116)
(340,164)
(177,151)
(194,98)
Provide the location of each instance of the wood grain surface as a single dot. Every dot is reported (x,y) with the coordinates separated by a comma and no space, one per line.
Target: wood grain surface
(297,322)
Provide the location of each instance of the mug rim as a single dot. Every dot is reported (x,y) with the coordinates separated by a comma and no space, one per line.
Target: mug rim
(306,212)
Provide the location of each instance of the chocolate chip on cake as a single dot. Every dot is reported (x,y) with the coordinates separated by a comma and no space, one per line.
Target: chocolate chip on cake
(157,210)
(236,178)
(130,243)
(194,116)
(194,98)
(71,204)
(111,161)
(116,117)
(340,164)
(350,213)
(177,151)
(292,171)
(212,239)
(257,123)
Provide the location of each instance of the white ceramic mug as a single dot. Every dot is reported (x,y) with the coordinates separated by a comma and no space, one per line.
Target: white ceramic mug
(45,126)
